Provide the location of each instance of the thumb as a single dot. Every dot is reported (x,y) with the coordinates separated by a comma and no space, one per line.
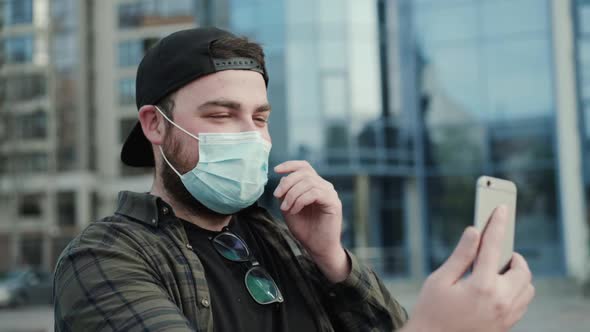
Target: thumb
(461,258)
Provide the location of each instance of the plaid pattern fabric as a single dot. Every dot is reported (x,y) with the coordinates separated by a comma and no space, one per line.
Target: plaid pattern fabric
(135,271)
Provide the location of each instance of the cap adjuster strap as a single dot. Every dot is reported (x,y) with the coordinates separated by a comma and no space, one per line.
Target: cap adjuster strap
(237,63)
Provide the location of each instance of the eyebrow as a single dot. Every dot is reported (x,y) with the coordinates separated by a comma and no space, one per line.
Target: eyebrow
(233,105)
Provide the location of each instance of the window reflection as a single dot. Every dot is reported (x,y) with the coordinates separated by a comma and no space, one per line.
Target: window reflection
(518,78)
(131,51)
(127,91)
(17,11)
(506,18)
(18,49)
(155,12)
(486,99)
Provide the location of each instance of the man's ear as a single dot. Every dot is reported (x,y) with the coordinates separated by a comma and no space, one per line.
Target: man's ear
(152,124)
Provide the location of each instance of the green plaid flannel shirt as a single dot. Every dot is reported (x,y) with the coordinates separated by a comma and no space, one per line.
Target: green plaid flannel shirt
(135,271)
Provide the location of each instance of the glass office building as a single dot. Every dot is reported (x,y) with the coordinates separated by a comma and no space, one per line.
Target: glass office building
(403,104)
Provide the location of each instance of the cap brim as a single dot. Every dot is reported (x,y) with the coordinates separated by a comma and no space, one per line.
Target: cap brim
(137,150)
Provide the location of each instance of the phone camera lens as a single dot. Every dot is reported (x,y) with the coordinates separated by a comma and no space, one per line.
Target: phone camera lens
(489,183)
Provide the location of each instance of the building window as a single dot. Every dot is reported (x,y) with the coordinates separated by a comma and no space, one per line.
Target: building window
(155,12)
(22,87)
(31,248)
(31,126)
(30,205)
(17,11)
(131,51)
(66,208)
(26,163)
(18,49)
(126,91)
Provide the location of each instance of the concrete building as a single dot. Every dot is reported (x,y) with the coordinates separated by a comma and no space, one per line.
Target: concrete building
(68,101)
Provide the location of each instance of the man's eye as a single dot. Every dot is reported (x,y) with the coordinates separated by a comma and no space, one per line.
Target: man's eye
(265,120)
(219,116)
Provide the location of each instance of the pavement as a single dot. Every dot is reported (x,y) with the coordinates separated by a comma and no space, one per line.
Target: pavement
(558,307)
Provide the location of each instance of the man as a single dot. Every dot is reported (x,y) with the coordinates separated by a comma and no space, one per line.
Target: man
(197,254)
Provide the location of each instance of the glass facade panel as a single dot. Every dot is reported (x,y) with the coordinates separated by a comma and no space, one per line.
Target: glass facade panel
(131,51)
(515,65)
(17,11)
(19,49)
(451,84)
(487,104)
(155,12)
(537,236)
(449,23)
(506,18)
(127,91)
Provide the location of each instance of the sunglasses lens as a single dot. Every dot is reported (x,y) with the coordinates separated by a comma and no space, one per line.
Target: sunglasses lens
(231,247)
(262,287)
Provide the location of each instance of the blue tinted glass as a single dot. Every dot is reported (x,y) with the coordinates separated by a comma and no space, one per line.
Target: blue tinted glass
(518,78)
(18,11)
(451,80)
(175,7)
(451,23)
(584,18)
(19,49)
(130,53)
(503,18)
(126,91)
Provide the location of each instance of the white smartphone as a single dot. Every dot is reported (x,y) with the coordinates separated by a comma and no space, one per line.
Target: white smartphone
(489,194)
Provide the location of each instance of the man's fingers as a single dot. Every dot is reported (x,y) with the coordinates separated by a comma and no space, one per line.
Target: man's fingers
(294,192)
(288,182)
(292,166)
(306,199)
(488,259)
(461,258)
(519,276)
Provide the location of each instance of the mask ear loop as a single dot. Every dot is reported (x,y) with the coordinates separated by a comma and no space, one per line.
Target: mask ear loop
(175,125)
(179,127)
(167,162)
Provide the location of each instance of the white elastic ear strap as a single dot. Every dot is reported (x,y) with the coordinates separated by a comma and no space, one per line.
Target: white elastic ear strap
(167,162)
(177,126)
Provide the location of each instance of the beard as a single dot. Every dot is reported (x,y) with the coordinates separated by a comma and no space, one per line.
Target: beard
(172,183)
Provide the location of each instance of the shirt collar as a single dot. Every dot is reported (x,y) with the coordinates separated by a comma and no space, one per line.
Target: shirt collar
(143,207)
(151,210)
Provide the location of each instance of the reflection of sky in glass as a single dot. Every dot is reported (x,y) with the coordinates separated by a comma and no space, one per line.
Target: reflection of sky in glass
(584,19)
(518,73)
(506,18)
(490,58)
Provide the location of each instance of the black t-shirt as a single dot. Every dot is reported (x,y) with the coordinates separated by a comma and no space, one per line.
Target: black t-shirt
(233,307)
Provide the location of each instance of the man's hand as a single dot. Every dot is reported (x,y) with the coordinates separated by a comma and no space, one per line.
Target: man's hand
(313,213)
(484,301)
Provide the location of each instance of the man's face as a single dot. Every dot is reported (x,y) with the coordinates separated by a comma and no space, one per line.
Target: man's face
(229,101)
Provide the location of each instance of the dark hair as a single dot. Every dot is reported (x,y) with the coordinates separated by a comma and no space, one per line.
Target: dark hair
(223,48)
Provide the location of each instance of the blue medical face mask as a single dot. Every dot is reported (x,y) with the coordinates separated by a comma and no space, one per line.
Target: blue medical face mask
(231,172)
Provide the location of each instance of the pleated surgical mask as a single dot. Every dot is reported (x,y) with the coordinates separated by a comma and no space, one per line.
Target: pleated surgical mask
(231,172)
